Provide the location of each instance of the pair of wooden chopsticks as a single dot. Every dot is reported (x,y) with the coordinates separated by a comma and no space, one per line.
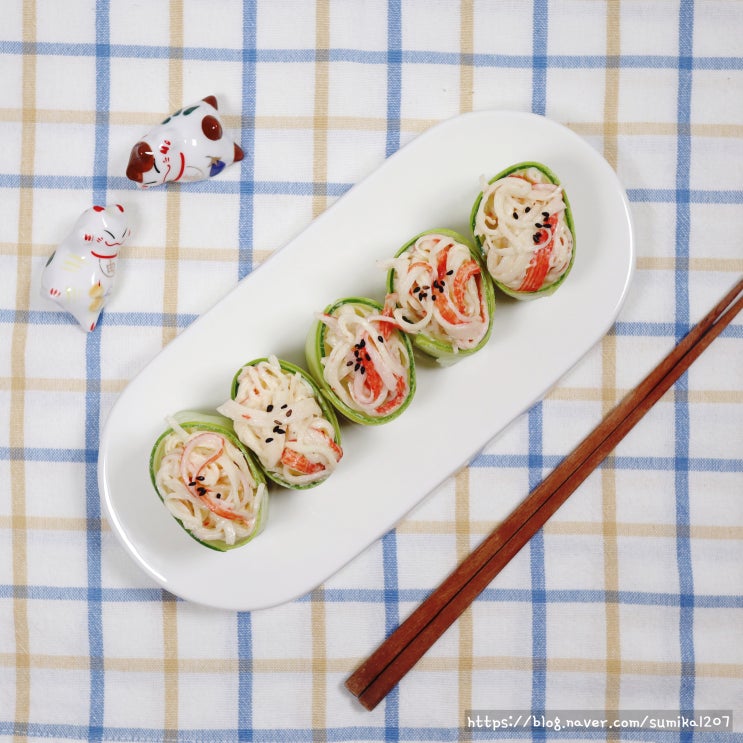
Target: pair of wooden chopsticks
(406,645)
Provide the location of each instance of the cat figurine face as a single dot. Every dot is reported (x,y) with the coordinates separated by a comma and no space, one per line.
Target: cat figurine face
(79,275)
(190,145)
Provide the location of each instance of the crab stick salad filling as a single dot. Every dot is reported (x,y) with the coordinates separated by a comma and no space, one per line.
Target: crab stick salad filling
(367,361)
(205,482)
(522,226)
(276,414)
(437,290)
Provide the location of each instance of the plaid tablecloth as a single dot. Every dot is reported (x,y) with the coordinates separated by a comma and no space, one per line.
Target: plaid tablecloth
(631,598)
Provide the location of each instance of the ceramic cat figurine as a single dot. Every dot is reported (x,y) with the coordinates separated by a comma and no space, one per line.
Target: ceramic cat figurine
(190,145)
(79,275)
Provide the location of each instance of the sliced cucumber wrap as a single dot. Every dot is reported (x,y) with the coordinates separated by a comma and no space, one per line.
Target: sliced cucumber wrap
(192,421)
(423,340)
(545,290)
(316,349)
(327,411)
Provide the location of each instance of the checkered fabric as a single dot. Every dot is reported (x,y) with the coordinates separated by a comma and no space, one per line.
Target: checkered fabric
(630,598)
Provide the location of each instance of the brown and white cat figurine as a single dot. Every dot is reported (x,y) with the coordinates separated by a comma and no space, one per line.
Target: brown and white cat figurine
(190,145)
(79,275)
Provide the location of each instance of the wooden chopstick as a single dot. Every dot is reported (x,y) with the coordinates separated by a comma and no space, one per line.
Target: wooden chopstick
(384,668)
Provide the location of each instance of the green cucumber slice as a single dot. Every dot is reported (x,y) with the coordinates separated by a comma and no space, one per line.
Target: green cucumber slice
(326,408)
(315,352)
(550,288)
(438,349)
(197,421)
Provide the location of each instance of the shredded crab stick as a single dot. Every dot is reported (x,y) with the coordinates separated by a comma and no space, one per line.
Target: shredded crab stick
(208,484)
(523,223)
(362,361)
(437,294)
(280,415)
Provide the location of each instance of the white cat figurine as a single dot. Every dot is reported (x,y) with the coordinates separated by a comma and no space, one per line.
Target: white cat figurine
(190,145)
(79,275)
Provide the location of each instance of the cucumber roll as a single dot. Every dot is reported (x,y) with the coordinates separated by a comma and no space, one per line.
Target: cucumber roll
(523,224)
(280,415)
(362,361)
(208,481)
(435,285)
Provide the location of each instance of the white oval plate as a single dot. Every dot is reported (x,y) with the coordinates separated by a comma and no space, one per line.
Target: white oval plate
(430,183)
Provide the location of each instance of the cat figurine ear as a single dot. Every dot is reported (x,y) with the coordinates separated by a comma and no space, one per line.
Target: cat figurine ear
(79,275)
(190,145)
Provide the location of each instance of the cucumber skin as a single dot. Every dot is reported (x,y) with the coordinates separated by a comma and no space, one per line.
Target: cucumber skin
(325,406)
(314,352)
(439,350)
(257,473)
(553,287)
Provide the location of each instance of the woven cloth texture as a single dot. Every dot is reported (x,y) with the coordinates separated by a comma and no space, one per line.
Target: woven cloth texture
(630,598)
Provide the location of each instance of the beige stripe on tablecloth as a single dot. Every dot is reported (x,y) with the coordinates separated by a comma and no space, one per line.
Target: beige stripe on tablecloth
(340,665)
(318,619)
(170,309)
(18,380)
(462,480)
(613,667)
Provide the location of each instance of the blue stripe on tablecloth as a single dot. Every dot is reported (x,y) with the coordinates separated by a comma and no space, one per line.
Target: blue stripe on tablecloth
(245,676)
(245,266)
(536,545)
(536,564)
(394,75)
(380,57)
(380,595)
(681,277)
(539,58)
(332,734)
(210,185)
(92,392)
(502,461)
(134,319)
(389,541)
(247,167)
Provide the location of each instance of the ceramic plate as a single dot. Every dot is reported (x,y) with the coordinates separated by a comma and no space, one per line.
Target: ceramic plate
(430,183)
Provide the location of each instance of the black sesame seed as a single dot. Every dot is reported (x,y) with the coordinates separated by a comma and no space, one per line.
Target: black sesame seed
(416,290)
(281,431)
(356,368)
(363,370)
(269,439)
(288,412)
(200,478)
(191,484)
(367,357)
(527,209)
(380,339)
(362,343)
(450,272)
(535,237)
(269,408)
(433,297)
(537,224)
(349,363)
(284,406)
(219,495)
(545,214)
(515,215)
